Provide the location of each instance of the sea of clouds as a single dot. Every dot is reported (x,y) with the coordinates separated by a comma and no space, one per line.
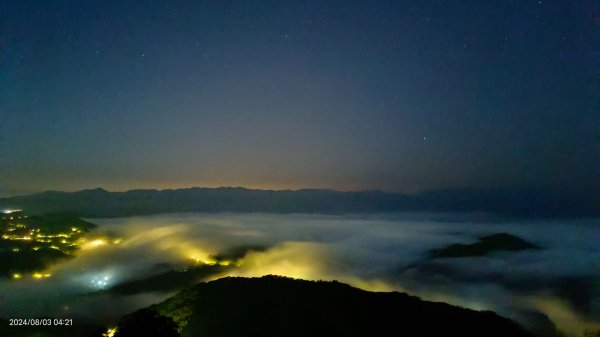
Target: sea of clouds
(557,286)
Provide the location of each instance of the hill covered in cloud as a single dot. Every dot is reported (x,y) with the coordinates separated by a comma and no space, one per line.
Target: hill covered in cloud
(511,202)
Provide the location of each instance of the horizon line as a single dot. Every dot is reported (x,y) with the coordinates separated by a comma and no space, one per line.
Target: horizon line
(455,188)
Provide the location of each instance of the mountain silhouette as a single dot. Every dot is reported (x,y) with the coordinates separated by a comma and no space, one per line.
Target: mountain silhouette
(512,202)
(280,306)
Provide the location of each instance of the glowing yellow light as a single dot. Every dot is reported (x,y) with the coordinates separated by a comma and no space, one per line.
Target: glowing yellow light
(110,332)
(17,276)
(63,241)
(117,241)
(15,250)
(98,242)
(40,275)
(74,229)
(211,261)
(54,247)
(36,248)
(92,244)
(203,261)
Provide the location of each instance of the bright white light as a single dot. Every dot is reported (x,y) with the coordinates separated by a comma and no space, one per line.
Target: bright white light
(100,282)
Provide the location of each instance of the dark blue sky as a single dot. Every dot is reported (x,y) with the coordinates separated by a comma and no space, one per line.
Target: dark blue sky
(391,95)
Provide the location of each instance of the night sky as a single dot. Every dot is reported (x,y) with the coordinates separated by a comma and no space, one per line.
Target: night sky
(351,95)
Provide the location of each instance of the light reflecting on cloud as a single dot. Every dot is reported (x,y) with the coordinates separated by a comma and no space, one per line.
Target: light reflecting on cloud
(375,252)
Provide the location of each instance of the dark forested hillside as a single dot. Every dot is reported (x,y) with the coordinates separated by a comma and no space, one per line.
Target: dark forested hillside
(278,306)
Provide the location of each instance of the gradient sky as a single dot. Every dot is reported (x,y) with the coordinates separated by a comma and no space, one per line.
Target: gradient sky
(392,95)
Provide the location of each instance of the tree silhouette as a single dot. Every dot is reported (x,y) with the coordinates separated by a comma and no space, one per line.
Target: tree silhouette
(146,322)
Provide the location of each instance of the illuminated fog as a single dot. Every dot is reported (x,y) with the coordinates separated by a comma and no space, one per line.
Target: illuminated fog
(375,252)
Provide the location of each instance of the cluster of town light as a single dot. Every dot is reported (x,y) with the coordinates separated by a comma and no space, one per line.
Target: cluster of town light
(20,233)
(24,238)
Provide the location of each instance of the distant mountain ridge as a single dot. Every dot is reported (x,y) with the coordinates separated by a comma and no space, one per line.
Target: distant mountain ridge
(513,202)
